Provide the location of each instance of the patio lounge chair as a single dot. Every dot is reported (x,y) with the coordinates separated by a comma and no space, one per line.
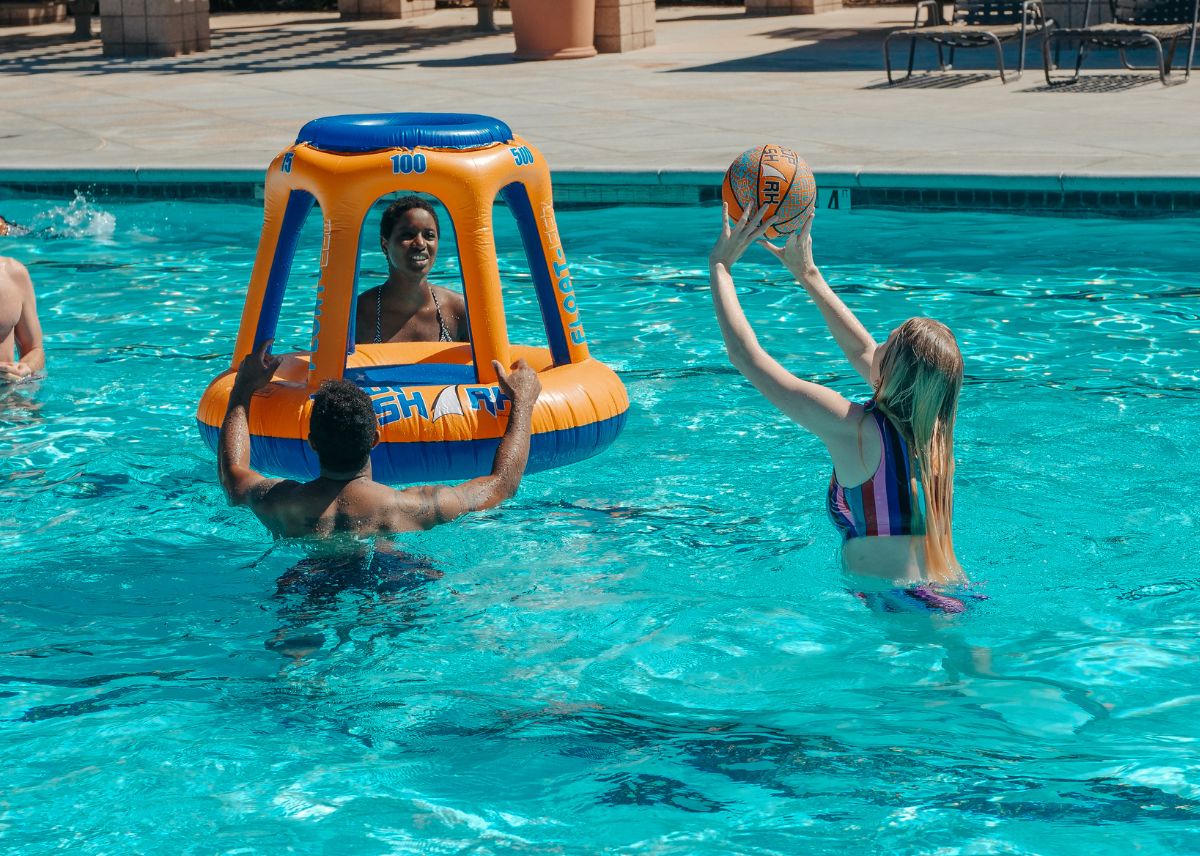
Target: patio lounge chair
(973,24)
(1135,24)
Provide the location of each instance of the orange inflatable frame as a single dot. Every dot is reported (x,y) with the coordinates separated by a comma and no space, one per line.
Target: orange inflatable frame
(440,410)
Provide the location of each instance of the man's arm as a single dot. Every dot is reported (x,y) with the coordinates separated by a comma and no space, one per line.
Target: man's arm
(242,485)
(429,506)
(28,332)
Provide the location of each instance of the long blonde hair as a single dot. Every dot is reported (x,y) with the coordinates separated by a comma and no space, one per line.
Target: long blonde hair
(920,377)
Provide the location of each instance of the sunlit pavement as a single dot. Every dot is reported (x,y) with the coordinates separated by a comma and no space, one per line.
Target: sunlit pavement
(716,83)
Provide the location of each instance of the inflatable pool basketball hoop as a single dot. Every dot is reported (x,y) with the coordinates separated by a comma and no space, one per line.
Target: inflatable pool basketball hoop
(441,413)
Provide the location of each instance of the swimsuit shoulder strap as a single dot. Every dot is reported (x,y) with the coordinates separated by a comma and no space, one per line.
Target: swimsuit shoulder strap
(443,331)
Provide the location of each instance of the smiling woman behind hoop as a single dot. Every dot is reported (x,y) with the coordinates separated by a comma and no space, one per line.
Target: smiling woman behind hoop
(408,308)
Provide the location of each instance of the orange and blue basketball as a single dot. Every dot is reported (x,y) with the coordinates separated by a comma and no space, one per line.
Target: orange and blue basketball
(774,178)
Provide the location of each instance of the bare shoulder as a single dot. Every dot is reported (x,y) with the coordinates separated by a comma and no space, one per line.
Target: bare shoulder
(13,271)
(276,503)
(848,422)
(365,302)
(855,447)
(452,300)
(364,317)
(426,506)
(274,496)
(367,297)
(387,509)
(455,306)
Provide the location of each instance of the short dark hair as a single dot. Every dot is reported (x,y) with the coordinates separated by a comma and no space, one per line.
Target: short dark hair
(342,426)
(405,203)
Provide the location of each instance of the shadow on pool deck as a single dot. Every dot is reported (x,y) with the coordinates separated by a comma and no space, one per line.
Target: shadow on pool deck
(247,50)
(839,50)
(324,41)
(820,50)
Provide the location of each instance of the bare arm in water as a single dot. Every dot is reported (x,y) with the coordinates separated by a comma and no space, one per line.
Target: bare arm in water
(22,355)
(242,485)
(434,504)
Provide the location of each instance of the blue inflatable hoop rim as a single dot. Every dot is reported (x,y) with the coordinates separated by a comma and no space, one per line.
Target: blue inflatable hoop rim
(369,132)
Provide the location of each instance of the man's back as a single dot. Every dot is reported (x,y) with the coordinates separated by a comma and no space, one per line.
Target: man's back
(321,507)
(342,431)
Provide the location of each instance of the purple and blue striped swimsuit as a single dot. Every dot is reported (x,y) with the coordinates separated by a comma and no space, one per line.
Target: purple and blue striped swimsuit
(891,501)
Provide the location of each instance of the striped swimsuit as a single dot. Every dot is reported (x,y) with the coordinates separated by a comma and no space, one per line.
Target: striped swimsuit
(885,503)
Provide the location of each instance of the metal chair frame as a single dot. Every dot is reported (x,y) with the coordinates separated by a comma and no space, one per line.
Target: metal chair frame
(968,27)
(1149,15)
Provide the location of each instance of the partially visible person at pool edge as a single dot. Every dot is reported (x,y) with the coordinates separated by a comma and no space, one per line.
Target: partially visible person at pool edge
(342,431)
(408,308)
(9,229)
(22,356)
(892,490)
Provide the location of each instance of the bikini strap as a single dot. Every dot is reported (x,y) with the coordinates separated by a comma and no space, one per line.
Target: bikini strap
(378,315)
(443,331)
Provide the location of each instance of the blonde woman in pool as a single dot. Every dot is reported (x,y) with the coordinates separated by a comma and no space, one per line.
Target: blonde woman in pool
(892,491)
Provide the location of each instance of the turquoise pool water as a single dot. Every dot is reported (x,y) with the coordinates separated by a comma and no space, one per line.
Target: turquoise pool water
(652,652)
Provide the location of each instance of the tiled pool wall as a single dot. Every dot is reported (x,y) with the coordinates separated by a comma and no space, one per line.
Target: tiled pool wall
(1068,195)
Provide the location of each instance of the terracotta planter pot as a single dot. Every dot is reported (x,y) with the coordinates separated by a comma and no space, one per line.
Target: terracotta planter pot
(554,29)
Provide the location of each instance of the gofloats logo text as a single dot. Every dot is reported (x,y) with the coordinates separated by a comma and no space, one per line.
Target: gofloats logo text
(563,288)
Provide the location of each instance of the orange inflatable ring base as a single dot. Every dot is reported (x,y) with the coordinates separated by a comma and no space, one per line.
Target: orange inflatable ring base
(436,423)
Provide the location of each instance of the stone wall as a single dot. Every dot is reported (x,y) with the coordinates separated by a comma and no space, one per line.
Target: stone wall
(139,28)
(791,7)
(366,9)
(27,14)
(624,25)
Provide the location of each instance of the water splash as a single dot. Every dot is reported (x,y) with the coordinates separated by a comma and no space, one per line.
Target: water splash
(79,218)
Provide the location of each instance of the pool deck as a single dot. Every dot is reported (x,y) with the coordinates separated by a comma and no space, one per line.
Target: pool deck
(716,83)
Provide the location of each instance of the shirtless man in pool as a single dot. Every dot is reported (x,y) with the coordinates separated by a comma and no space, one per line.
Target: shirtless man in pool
(342,431)
(22,357)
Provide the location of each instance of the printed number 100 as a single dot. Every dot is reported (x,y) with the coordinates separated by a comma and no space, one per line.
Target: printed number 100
(407,163)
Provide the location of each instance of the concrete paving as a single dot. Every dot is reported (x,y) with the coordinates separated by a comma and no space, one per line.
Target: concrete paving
(716,83)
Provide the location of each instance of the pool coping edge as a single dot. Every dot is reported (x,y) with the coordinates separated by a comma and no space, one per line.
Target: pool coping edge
(835,178)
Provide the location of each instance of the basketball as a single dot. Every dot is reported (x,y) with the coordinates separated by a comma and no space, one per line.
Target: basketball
(774,178)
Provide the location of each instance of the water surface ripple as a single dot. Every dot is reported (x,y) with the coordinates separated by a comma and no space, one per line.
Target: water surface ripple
(652,652)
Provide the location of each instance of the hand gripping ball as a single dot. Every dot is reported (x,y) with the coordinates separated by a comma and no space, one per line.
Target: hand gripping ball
(774,178)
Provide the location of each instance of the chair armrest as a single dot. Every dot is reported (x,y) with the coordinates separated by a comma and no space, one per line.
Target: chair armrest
(933,15)
(1032,12)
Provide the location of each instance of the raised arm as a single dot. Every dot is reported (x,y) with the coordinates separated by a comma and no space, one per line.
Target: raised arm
(428,506)
(242,485)
(818,408)
(849,333)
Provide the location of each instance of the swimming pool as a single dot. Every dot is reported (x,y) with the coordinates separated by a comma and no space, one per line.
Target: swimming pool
(650,652)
